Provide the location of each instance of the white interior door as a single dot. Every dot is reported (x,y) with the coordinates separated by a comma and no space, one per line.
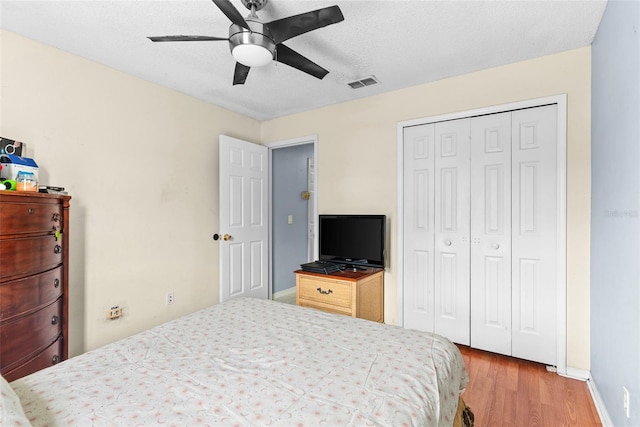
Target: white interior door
(436,229)
(243,214)
(452,230)
(491,233)
(534,236)
(419,222)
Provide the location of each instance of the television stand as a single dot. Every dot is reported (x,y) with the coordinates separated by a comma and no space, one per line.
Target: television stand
(357,293)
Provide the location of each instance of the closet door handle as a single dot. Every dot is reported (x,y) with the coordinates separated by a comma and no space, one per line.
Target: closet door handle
(447,242)
(495,246)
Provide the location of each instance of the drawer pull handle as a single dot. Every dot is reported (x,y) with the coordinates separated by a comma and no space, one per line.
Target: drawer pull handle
(55,359)
(57,249)
(324,292)
(54,320)
(31,211)
(56,283)
(55,217)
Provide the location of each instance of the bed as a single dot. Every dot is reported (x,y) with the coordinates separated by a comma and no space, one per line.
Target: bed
(252,362)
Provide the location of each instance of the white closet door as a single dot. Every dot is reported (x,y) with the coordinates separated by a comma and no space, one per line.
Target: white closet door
(534,251)
(491,233)
(452,228)
(418,220)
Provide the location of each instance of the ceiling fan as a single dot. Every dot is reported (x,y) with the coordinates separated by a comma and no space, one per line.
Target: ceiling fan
(255,43)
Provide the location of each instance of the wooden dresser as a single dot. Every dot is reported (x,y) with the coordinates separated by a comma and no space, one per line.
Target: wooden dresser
(353,293)
(34,242)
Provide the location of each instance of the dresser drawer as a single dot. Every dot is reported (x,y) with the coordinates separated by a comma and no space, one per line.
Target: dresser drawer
(26,336)
(29,294)
(49,357)
(29,255)
(325,291)
(30,217)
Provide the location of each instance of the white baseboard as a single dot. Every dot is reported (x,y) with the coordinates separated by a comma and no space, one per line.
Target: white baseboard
(577,374)
(285,293)
(599,403)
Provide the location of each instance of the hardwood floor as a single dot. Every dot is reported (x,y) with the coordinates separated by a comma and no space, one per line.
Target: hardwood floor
(504,391)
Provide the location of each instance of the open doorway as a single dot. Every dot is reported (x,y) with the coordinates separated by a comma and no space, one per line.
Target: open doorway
(293,213)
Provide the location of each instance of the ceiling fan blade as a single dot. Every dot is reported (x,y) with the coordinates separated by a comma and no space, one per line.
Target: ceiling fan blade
(294,59)
(232,13)
(286,28)
(241,73)
(185,38)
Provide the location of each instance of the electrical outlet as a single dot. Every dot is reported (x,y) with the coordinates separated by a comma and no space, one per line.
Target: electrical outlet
(170,298)
(625,400)
(114,312)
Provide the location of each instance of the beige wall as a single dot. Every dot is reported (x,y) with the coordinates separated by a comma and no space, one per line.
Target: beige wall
(123,148)
(140,162)
(357,164)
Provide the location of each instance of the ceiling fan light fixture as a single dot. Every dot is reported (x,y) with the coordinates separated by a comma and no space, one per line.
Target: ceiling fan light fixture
(252,55)
(251,48)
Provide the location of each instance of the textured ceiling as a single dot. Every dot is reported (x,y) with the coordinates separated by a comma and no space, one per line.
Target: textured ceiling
(402,43)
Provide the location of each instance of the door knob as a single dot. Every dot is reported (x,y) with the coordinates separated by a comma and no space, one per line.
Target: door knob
(495,246)
(447,242)
(223,237)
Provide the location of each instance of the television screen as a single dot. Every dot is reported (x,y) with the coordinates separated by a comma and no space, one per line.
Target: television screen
(356,240)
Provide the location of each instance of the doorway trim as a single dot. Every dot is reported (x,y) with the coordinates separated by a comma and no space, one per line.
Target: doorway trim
(274,145)
(561,244)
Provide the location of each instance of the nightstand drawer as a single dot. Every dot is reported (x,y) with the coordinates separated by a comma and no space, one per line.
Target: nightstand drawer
(357,293)
(325,291)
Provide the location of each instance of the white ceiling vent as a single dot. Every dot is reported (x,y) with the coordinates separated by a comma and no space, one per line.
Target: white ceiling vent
(365,81)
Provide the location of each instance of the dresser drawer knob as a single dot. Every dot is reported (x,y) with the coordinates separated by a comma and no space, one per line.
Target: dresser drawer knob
(56,283)
(324,292)
(57,249)
(54,320)
(31,211)
(55,359)
(55,217)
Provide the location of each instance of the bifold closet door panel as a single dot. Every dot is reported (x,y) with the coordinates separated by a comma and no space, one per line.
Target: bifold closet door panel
(452,230)
(418,222)
(491,233)
(534,237)
(481,231)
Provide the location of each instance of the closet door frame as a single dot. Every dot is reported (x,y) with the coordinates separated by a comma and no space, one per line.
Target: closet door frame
(561,102)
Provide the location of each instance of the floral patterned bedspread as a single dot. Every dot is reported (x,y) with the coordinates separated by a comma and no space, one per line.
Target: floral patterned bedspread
(254,362)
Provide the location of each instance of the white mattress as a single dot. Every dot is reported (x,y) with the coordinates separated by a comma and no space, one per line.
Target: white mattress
(254,362)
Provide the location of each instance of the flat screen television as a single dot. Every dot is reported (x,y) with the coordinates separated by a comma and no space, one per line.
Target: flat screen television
(352,240)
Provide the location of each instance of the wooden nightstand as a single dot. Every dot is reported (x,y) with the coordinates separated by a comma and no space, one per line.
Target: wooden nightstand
(353,293)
